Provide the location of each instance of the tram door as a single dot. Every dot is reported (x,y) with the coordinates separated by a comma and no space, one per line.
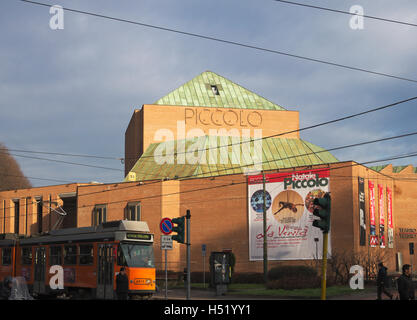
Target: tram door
(39,270)
(105,272)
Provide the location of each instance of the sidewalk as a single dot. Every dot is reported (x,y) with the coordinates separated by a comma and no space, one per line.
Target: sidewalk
(201,294)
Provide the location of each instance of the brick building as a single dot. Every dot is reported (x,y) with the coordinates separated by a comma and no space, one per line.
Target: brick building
(176,159)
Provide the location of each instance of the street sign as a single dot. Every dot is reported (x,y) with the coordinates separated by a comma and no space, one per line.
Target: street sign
(166,226)
(166,242)
(203,250)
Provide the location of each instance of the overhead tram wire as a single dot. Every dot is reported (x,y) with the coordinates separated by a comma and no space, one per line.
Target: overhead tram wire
(59,161)
(154,181)
(225,41)
(2,150)
(301,129)
(250,140)
(229,145)
(413,154)
(302,155)
(322,151)
(63,154)
(36,178)
(274,160)
(346,12)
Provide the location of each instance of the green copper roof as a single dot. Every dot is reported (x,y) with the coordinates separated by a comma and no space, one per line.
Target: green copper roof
(277,153)
(378,168)
(395,169)
(198,92)
(398,169)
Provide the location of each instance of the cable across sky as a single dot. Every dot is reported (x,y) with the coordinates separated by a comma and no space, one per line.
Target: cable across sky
(235,43)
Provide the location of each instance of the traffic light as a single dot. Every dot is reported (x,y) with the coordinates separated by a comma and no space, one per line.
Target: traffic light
(323,213)
(179,228)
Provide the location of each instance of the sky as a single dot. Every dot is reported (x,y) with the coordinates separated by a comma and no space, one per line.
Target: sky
(74,90)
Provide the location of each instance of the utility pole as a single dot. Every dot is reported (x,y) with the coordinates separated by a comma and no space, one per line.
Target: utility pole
(264,232)
(188,217)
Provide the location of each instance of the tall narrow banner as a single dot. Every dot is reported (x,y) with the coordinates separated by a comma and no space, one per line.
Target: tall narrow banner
(289,203)
(381,216)
(373,237)
(362,219)
(390,221)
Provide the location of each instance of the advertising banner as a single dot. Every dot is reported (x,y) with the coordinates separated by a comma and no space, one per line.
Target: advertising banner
(362,218)
(373,236)
(289,206)
(381,216)
(390,221)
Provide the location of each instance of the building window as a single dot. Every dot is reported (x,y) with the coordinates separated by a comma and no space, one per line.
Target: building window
(70,255)
(6,256)
(86,254)
(27,255)
(133,211)
(99,214)
(55,257)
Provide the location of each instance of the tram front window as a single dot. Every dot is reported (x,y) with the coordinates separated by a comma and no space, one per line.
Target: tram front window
(135,255)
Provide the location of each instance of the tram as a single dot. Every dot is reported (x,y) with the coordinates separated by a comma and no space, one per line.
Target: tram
(90,257)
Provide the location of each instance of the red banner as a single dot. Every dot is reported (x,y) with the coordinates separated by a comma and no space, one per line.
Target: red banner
(381,216)
(390,220)
(389,197)
(373,241)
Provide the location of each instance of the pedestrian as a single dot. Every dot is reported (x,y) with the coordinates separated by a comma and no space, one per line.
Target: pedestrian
(122,284)
(6,288)
(405,284)
(381,282)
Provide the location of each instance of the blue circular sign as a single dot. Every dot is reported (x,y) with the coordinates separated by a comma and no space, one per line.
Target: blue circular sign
(257,200)
(166,226)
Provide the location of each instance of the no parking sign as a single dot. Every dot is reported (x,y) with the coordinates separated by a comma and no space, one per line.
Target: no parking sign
(166,226)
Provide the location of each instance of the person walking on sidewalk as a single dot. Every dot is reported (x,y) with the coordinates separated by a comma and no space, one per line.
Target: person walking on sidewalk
(405,284)
(381,281)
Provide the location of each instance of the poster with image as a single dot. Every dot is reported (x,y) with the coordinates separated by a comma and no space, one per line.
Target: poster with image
(289,208)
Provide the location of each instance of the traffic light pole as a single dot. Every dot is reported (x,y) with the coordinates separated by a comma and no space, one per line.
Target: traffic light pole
(324,266)
(265,244)
(188,217)
(323,212)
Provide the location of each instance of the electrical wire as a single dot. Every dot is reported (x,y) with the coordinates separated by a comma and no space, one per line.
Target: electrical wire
(60,161)
(263,162)
(300,129)
(347,12)
(235,43)
(290,173)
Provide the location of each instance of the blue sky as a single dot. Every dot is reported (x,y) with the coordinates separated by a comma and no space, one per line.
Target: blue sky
(74,90)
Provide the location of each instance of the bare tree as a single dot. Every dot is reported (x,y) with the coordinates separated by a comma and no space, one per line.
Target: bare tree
(11,177)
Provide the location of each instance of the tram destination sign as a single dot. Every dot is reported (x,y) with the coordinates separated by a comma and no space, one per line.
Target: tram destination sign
(138,236)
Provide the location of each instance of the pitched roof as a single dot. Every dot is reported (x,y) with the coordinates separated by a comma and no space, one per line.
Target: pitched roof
(201,92)
(277,153)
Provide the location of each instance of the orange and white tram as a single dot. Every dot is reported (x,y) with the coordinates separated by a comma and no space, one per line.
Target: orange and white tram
(90,258)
